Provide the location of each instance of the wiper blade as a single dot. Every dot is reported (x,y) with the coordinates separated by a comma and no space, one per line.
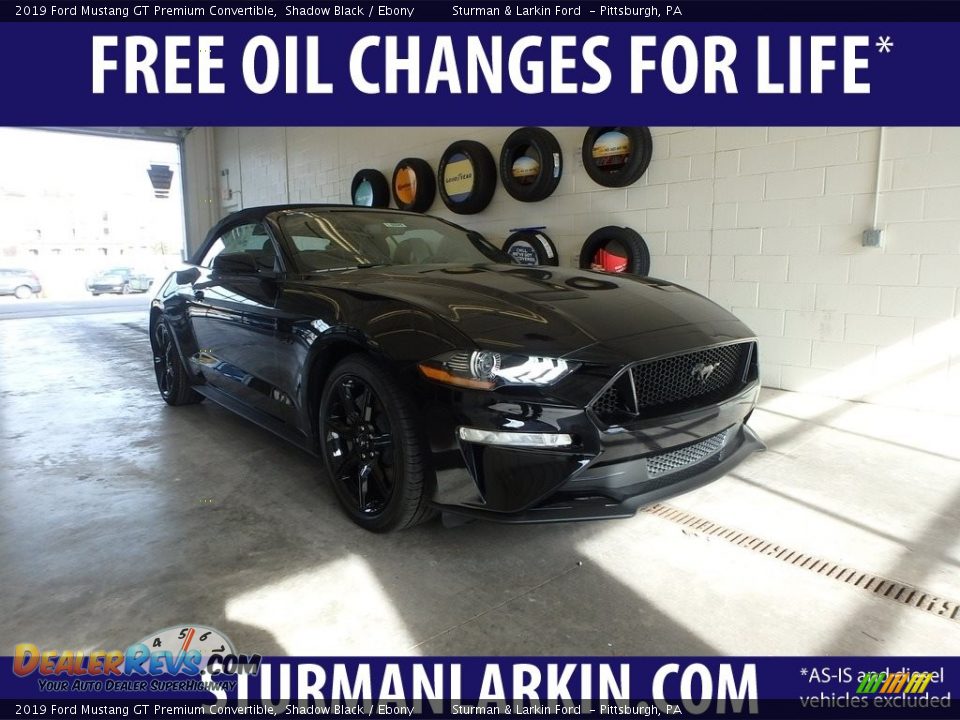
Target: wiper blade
(362,266)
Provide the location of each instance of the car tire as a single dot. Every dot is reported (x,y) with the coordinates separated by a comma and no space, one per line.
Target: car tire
(172,380)
(616,156)
(23,292)
(530,164)
(529,247)
(370,189)
(467,177)
(623,243)
(414,185)
(372,447)
(126,289)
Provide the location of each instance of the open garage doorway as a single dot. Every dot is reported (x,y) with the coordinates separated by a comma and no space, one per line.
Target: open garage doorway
(91,218)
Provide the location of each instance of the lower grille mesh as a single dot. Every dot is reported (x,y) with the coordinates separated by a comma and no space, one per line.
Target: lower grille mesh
(668,462)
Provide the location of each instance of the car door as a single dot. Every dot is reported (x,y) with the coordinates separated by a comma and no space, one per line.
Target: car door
(231,308)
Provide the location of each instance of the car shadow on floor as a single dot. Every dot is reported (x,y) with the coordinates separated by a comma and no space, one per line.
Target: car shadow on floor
(289,561)
(217,522)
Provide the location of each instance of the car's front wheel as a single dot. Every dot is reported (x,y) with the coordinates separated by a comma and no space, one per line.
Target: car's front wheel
(172,380)
(372,447)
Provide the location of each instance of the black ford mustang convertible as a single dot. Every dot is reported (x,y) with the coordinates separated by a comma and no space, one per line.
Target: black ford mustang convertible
(431,374)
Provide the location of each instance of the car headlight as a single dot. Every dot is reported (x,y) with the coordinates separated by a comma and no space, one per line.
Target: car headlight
(486,369)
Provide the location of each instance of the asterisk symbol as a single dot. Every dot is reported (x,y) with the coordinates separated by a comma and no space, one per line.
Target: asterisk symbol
(884,44)
(803,671)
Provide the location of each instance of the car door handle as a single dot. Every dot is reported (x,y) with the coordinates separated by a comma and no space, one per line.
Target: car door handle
(198,295)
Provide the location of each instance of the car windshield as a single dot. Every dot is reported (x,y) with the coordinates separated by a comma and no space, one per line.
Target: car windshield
(330,239)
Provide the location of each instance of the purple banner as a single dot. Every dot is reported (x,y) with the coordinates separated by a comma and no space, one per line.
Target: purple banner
(477,73)
(737,687)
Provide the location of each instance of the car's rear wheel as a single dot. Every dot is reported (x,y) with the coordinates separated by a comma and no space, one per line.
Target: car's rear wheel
(23,292)
(172,380)
(372,448)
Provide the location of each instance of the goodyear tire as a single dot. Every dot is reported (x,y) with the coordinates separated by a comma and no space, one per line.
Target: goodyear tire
(616,249)
(617,156)
(530,164)
(467,177)
(414,186)
(370,189)
(528,247)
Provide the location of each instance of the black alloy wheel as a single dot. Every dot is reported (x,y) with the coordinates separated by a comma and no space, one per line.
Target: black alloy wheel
(371,447)
(172,379)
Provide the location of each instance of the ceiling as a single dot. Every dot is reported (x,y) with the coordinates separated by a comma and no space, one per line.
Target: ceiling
(164,134)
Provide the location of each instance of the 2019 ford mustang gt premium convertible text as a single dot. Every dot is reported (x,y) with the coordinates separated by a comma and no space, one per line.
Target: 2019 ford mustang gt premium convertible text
(431,374)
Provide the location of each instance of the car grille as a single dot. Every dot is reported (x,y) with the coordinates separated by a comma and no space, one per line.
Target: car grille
(608,403)
(675,383)
(694,454)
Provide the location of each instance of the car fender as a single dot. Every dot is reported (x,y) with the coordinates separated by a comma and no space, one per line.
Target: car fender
(171,304)
(398,333)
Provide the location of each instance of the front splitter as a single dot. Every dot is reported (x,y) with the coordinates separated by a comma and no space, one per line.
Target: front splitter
(601,508)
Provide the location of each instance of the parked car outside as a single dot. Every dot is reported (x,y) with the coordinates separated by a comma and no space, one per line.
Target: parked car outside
(431,374)
(19,282)
(123,280)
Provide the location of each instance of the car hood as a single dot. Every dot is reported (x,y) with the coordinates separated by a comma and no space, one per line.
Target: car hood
(555,311)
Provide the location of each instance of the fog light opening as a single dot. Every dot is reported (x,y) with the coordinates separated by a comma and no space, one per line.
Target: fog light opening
(514,439)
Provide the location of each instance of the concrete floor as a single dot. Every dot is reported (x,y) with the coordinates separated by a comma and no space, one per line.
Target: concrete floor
(120,515)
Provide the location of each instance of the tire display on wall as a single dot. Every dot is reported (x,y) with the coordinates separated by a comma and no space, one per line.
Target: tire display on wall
(616,156)
(467,177)
(531,247)
(414,185)
(370,189)
(530,164)
(616,249)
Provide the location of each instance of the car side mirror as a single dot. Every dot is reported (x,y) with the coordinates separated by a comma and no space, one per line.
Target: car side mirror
(187,277)
(239,263)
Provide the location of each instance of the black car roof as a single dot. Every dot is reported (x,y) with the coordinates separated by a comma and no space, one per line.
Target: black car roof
(261,211)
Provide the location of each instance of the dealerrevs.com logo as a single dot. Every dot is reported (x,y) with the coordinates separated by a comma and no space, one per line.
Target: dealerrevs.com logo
(191,650)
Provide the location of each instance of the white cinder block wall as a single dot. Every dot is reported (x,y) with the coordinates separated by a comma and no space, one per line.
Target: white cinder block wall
(766,221)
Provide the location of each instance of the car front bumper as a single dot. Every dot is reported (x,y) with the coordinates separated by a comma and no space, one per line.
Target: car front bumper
(602,473)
